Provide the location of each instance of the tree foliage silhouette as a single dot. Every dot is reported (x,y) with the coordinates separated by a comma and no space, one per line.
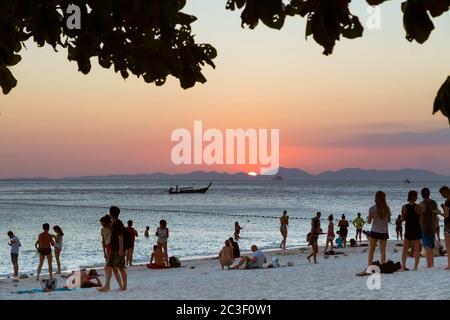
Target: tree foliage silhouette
(152,39)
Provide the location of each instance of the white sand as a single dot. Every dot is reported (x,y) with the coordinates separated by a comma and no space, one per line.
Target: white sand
(332,278)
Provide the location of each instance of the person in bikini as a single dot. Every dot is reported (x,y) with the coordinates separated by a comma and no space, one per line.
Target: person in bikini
(284,223)
(44,246)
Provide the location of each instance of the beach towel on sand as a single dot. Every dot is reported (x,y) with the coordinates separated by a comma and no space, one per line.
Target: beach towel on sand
(40,291)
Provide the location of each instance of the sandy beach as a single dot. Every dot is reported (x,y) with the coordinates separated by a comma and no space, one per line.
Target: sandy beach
(201,279)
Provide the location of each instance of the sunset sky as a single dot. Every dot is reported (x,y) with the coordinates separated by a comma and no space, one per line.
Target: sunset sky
(368,105)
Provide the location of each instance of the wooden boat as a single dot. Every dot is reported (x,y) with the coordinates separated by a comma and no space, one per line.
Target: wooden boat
(189,190)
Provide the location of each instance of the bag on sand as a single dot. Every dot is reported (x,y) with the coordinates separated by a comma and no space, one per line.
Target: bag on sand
(174,262)
(390,267)
(352,243)
(49,284)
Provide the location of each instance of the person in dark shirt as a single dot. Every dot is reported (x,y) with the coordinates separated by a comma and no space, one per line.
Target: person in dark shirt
(132,236)
(445,193)
(428,212)
(314,236)
(236,250)
(116,260)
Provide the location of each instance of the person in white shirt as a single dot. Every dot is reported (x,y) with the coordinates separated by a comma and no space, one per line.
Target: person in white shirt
(15,245)
(256,261)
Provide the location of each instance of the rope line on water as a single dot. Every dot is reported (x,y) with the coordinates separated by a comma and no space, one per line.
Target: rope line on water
(31,204)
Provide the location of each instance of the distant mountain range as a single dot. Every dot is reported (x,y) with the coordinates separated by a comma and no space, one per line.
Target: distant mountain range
(286,174)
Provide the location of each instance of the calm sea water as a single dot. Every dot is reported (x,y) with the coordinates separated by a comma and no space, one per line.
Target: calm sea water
(75,206)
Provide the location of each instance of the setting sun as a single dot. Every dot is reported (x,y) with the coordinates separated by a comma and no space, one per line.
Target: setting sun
(252,173)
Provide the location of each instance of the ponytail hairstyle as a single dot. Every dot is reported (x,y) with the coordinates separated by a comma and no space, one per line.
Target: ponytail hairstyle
(383,210)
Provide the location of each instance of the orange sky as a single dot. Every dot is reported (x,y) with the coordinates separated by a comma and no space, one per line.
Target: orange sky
(368,105)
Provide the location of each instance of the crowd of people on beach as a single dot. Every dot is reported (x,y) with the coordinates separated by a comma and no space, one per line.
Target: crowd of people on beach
(421,233)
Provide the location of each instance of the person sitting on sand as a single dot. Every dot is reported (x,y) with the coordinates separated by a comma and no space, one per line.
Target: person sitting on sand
(445,193)
(163,234)
(343,230)
(237,230)
(157,259)
(330,234)
(235,246)
(147,232)
(358,223)
(379,217)
(58,237)
(256,261)
(87,280)
(284,223)
(44,246)
(428,211)
(226,257)
(314,236)
(399,227)
(411,216)
(105,232)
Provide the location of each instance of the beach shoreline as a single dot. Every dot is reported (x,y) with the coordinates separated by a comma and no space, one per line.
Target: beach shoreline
(202,279)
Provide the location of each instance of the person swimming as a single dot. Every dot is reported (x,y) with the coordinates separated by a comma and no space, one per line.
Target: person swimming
(147,232)
(237,230)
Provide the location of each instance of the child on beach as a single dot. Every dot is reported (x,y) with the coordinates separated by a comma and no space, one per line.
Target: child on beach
(15,245)
(44,246)
(162,232)
(235,246)
(157,259)
(284,223)
(132,235)
(330,234)
(58,246)
(237,230)
(358,223)
(226,257)
(399,227)
(105,232)
(147,232)
(343,230)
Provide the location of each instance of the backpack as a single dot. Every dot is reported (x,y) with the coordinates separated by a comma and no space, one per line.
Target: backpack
(49,285)
(352,243)
(174,262)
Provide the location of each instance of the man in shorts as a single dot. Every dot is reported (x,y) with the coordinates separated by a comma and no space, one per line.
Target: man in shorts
(14,242)
(44,246)
(116,260)
(256,261)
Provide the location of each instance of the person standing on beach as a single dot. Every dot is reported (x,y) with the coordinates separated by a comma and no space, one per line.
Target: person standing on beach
(358,223)
(58,246)
(132,234)
(445,193)
(105,233)
(411,216)
(284,223)
(162,232)
(379,217)
(44,246)
(399,227)
(330,234)
(116,260)
(343,230)
(428,211)
(314,237)
(235,246)
(15,245)
(237,230)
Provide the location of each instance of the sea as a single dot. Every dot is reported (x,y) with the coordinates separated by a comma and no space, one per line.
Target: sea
(198,223)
